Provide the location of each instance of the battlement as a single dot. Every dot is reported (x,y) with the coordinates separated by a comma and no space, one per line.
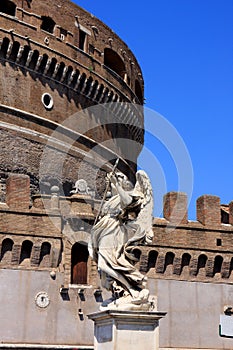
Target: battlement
(209,211)
(181,249)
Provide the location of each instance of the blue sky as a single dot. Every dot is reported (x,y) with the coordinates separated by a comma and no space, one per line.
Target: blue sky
(185,51)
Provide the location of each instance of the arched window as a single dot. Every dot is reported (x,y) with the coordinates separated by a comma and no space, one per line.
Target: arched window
(218,264)
(4,47)
(137,253)
(25,253)
(79,258)
(14,51)
(6,251)
(47,24)
(52,67)
(185,261)
(201,262)
(25,54)
(8,7)
(60,71)
(75,78)
(34,59)
(169,258)
(138,91)
(152,259)
(113,61)
(43,63)
(45,255)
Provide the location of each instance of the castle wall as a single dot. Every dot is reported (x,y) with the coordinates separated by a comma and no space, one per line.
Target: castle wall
(192,320)
(60,323)
(189,269)
(193,314)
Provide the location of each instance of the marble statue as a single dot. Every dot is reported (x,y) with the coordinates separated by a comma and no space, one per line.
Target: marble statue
(125,221)
(80,187)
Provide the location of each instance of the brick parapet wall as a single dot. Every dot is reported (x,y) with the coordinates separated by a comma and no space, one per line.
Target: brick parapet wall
(188,251)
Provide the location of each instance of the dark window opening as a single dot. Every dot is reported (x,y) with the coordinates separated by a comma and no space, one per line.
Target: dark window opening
(43,63)
(34,59)
(63,33)
(137,254)
(91,49)
(153,255)
(7,246)
(218,242)
(224,217)
(68,75)
(169,259)
(138,91)
(14,51)
(8,7)
(185,260)
(25,251)
(201,262)
(52,67)
(95,86)
(82,40)
(45,254)
(47,24)
(4,47)
(218,264)
(82,81)
(79,258)
(25,54)
(60,71)
(113,61)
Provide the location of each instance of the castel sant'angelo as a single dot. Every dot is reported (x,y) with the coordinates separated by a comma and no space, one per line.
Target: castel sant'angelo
(58,61)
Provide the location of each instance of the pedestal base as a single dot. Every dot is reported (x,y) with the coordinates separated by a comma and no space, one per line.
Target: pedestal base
(128,330)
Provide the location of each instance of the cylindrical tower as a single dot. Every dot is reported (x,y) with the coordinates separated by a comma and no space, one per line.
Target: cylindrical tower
(56,60)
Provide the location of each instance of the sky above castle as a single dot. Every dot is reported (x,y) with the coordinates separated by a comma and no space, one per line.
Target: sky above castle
(185,51)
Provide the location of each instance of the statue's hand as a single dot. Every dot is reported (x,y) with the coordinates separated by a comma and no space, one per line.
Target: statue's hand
(112,178)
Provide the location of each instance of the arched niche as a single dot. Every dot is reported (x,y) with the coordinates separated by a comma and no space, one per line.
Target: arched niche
(113,61)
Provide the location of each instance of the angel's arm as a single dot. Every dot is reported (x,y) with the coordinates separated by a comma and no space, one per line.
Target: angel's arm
(126,199)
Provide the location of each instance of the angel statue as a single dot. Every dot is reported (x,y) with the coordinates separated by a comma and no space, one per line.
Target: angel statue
(125,221)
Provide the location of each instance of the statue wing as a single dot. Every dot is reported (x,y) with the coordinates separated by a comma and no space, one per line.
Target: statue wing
(145,216)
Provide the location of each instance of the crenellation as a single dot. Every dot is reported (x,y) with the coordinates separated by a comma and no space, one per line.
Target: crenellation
(18,191)
(175,207)
(208,210)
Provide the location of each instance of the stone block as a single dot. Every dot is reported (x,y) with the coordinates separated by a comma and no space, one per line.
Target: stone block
(117,330)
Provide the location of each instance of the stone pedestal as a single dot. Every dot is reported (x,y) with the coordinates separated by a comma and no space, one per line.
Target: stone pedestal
(129,330)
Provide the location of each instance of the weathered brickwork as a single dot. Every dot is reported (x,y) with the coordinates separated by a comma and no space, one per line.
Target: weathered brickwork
(55,60)
(186,251)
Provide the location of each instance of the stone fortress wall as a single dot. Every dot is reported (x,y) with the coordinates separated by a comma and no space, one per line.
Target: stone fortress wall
(190,250)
